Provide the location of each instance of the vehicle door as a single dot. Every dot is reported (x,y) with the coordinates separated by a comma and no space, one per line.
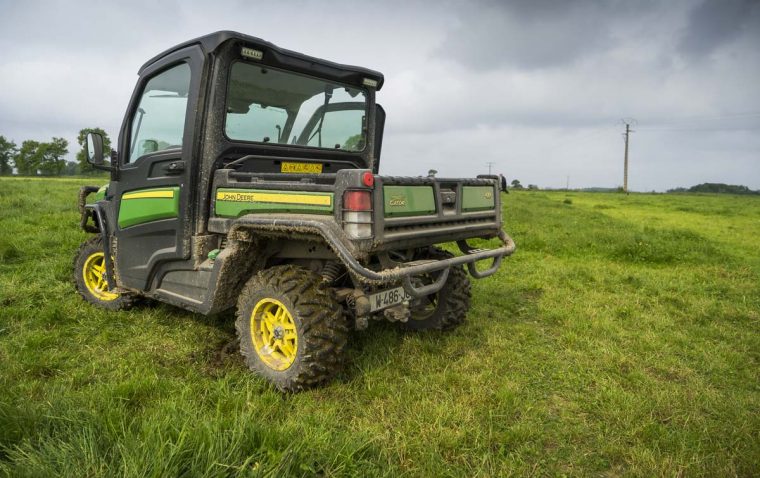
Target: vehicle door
(154,191)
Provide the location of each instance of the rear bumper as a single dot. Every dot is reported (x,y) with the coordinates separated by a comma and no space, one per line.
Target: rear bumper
(470,257)
(401,271)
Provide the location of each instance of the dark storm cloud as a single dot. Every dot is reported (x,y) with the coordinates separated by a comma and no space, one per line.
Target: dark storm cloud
(530,34)
(525,34)
(715,23)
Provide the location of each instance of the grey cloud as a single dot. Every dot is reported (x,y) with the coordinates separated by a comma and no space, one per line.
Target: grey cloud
(529,34)
(715,23)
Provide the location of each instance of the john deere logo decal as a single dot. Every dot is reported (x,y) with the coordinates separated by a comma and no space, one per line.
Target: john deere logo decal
(488,195)
(397,201)
(274,197)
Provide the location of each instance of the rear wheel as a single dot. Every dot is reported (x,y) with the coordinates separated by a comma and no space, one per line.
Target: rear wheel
(447,308)
(291,329)
(91,281)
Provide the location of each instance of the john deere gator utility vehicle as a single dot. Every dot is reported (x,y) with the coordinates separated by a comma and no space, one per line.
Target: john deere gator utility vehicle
(247,176)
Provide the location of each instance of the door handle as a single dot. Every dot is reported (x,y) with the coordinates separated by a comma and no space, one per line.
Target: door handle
(175,167)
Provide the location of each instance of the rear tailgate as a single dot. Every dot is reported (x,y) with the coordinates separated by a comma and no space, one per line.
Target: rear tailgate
(418,211)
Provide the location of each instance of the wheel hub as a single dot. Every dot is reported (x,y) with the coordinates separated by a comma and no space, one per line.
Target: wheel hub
(274,334)
(94,274)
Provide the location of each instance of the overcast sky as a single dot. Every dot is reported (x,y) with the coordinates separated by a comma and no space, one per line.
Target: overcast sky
(536,87)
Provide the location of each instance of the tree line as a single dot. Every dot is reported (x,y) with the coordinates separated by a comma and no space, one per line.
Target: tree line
(36,158)
(516,184)
(720,188)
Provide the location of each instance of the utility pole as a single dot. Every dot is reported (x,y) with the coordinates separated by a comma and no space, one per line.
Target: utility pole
(627,135)
(490,164)
(567,184)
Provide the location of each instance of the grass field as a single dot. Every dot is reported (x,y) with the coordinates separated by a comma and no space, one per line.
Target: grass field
(623,338)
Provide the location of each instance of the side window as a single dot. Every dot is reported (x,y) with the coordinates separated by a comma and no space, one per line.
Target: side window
(159,120)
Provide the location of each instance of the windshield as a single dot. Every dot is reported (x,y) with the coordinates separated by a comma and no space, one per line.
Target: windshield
(272,106)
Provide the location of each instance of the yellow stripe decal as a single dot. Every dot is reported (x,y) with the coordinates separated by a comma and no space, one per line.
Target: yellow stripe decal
(148,195)
(276,198)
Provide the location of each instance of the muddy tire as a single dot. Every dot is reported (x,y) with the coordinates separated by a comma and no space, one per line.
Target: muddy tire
(291,329)
(446,309)
(90,278)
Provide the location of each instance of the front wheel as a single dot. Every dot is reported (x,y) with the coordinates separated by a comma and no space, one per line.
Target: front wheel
(90,277)
(447,308)
(291,329)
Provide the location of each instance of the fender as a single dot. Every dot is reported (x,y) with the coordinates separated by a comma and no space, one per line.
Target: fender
(102,228)
(85,210)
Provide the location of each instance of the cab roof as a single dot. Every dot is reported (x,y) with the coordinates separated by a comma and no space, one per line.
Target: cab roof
(279,56)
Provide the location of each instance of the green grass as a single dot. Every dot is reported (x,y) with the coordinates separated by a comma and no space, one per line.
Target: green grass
(621,339)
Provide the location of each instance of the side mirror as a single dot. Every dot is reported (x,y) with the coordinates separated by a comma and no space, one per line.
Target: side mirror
(94,149)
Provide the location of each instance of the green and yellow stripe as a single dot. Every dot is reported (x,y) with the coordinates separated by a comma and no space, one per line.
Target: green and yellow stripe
(147,205)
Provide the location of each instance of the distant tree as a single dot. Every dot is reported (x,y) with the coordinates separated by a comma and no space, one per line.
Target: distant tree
(71,169)
(516,184)
(432,173)
(354,143)
(84,166)
(533,187)
(8,152)
(27,161)
(51,162)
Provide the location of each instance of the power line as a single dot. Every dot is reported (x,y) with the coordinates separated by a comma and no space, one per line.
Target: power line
(740,128)
(698,123)
(687,119)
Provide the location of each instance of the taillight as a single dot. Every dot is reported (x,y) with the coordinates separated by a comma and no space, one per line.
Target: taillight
(357,201)
(357,214)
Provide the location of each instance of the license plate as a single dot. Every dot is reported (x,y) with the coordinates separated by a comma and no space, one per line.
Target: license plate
(308,168)
(387,298)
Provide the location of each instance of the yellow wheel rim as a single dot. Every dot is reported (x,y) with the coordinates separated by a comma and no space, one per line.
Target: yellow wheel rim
(94,273)
(273,333)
